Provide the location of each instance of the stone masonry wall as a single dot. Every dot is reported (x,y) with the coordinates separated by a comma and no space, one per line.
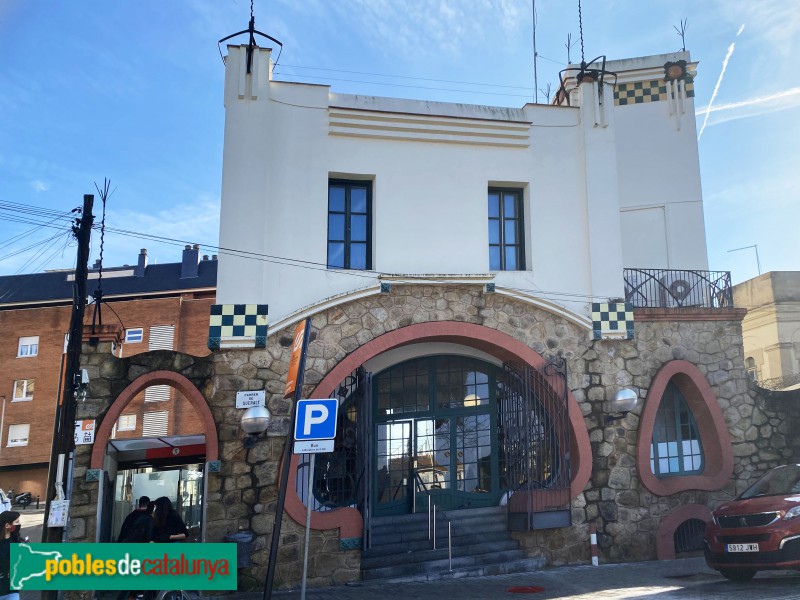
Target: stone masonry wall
(244,494)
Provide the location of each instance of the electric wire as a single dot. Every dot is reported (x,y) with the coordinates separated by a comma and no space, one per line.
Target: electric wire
(515,87)
(300,263)
(403,85)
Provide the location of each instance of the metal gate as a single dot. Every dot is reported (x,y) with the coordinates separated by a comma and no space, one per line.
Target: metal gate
(534,434)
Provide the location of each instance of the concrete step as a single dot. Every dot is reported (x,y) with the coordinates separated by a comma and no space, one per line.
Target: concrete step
(470,562)
(517,566)
(441,553)
(441,542)
(402,534)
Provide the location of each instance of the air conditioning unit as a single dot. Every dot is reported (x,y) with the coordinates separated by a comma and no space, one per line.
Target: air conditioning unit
(680,289)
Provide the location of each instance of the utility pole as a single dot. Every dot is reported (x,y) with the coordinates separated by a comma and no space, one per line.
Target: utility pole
(64,425)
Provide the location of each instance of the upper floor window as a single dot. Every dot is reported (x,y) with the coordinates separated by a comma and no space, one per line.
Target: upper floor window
(349,224)
(18,435)
(506,251)
(752,369)
(28,346)
(675,448)
(23,390)
(126,423)
(134,336)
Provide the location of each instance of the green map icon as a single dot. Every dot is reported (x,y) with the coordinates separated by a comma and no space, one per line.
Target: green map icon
(29,565)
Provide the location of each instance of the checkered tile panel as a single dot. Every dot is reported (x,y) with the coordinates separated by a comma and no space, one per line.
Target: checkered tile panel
(238,325)
(612,320)
(639,92)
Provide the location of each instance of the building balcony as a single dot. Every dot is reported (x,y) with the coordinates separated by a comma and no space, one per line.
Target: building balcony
(672,288)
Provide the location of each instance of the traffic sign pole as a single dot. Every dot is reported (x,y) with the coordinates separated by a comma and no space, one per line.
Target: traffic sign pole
(287,458)
(308,527)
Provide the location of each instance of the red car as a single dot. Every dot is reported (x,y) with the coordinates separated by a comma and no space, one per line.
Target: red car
(758,531)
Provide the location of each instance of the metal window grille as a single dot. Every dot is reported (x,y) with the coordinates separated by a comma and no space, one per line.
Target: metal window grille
(162,337)
(157,393)
(155,423)
(688,537)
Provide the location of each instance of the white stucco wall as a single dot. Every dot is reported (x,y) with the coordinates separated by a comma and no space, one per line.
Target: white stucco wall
(430,165)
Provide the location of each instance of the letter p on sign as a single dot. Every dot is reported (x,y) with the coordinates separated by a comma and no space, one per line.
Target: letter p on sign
(316,419)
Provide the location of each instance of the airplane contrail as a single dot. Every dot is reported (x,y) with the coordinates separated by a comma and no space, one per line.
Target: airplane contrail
(719,82)
(750,102)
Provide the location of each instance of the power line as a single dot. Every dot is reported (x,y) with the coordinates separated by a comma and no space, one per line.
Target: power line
(515,87)
(419,87)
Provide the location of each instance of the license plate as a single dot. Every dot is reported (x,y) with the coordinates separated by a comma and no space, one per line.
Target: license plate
(742,547)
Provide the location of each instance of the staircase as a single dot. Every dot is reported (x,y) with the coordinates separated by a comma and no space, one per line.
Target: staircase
(481,543)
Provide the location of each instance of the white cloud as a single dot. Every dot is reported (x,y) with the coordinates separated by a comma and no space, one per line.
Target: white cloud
(40,186)
(716,88)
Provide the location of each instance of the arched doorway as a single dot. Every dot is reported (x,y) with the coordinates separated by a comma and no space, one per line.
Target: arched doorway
(155,462)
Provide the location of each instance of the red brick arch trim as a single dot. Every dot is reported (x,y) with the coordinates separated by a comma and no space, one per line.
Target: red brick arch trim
(491,341)
(665,538)
(182,385)
(714,435)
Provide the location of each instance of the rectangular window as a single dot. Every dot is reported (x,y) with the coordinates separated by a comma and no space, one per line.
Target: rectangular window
(506,250)
(155,423)
(156,393)
(162,337)
(134,336)
(349,224)
(28,346)
(18,435)
(126,423)
(23,390)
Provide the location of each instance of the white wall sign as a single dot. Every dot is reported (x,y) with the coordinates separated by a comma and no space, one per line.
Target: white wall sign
(84,432)
(248,399)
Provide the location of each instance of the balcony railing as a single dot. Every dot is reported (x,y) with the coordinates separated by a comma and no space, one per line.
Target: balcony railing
(669,288)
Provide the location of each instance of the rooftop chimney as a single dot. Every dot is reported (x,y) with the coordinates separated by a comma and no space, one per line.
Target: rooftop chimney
(191,258)
(138,270)
(96,264)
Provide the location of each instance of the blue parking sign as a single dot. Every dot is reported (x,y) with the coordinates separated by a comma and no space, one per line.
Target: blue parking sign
(316,419)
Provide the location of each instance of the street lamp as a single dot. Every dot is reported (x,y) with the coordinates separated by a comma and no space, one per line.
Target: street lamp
(624,401)
(255,421)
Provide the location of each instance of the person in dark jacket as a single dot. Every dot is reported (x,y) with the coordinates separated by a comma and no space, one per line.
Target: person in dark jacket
(137,528)
(169,527)
(9,523)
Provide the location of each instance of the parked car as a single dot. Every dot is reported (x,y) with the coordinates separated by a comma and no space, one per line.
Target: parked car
(759,530)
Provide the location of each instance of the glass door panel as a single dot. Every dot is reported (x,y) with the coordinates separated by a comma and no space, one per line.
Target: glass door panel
(393,468)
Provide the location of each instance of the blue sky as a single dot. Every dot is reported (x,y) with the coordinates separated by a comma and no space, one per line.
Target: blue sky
(131,90)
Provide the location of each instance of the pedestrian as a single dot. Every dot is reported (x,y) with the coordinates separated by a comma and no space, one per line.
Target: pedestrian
(9,522)
(137,528)
(169,527)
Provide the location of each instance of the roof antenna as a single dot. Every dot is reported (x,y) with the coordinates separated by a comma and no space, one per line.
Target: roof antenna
(97,315)
(682,33)
(597,72)
(570,44)
(251,44)
(535,56)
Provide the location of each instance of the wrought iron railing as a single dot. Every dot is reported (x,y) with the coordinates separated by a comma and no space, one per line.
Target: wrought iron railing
(673,288)
(535,438)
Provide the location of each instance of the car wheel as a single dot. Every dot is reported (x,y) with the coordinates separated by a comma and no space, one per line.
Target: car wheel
(738,574)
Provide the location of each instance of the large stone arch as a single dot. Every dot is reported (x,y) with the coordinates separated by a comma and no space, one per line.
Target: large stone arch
(714,435)
(160,377)
(491,341)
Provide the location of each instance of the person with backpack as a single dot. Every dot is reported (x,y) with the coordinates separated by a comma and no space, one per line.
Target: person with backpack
(138,526)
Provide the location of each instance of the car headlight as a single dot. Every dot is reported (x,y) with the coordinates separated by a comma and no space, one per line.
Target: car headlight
(792,513)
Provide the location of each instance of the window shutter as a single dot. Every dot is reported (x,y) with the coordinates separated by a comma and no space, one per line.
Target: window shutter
(162,337)
(155,423)
(156,393)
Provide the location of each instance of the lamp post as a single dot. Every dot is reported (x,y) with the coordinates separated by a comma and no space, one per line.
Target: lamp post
(624,401)
(255,421)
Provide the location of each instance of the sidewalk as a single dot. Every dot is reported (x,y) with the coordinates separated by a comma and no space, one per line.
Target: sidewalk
(654,580)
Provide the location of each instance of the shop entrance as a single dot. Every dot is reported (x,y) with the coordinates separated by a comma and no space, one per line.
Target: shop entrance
(155,467)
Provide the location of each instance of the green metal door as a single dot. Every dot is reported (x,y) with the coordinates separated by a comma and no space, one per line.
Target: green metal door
(435,436)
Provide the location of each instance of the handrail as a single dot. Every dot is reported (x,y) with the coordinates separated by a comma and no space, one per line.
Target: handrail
(677,288)
(450,543)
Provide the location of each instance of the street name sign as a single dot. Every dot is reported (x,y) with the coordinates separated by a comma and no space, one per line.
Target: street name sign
(249,399)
